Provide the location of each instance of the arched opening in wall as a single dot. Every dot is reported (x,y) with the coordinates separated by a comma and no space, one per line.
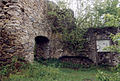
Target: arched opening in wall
(41,47)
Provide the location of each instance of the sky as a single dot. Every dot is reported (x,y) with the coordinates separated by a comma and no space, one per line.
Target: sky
(73,5)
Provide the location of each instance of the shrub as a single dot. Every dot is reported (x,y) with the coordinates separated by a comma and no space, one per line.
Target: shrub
(14,66)
(63,22)
(74,40)
(37,72)
(102,76)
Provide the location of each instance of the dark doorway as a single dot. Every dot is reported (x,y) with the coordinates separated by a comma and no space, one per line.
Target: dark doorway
(41,47)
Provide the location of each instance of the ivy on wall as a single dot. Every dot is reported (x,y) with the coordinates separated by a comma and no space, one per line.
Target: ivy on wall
(63,22)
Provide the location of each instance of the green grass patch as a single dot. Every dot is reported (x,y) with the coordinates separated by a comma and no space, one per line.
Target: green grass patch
(40,72)
(54,70)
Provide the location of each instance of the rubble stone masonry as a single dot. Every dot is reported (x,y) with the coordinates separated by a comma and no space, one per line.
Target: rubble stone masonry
(20,22)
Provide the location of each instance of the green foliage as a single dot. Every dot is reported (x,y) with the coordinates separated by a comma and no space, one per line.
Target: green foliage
(39,72)
(14,66)
(61,19)
(63,22)
(52,13)
(59,64)
(110,12)
(62,4)
(111,20)
(110,6)
(102,76)
(102,13)
(74,40)
(116,47)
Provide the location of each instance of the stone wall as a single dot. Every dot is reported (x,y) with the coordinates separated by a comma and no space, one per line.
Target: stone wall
(59,20)
(20,22)
(94,34)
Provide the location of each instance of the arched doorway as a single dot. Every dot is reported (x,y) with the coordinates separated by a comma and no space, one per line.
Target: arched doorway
(41,47)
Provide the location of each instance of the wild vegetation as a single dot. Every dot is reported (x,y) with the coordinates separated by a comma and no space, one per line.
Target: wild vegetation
(49,71)
(114,48)
(103,14)
(16,64)
(63,22)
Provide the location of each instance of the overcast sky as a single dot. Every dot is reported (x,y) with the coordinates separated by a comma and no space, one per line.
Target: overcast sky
(73,4)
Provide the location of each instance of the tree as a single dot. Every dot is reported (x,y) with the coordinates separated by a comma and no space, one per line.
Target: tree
(63,22)
(110,12)
(91,13)
(100,13)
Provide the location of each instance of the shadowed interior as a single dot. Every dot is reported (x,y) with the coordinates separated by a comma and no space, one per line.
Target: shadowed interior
(41,47)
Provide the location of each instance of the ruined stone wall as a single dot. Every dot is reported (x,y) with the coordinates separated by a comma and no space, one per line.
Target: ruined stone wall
(20,22)
(94,34)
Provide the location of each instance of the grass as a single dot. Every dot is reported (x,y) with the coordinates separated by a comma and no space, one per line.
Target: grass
(80,75)
(40,72)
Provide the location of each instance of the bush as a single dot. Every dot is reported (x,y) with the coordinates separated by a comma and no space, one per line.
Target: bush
(14,66)
(56,63)
(74,40)
(102,76)
(63,22)
(37,72)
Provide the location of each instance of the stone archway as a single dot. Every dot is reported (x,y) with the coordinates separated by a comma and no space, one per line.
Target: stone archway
(41,47)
